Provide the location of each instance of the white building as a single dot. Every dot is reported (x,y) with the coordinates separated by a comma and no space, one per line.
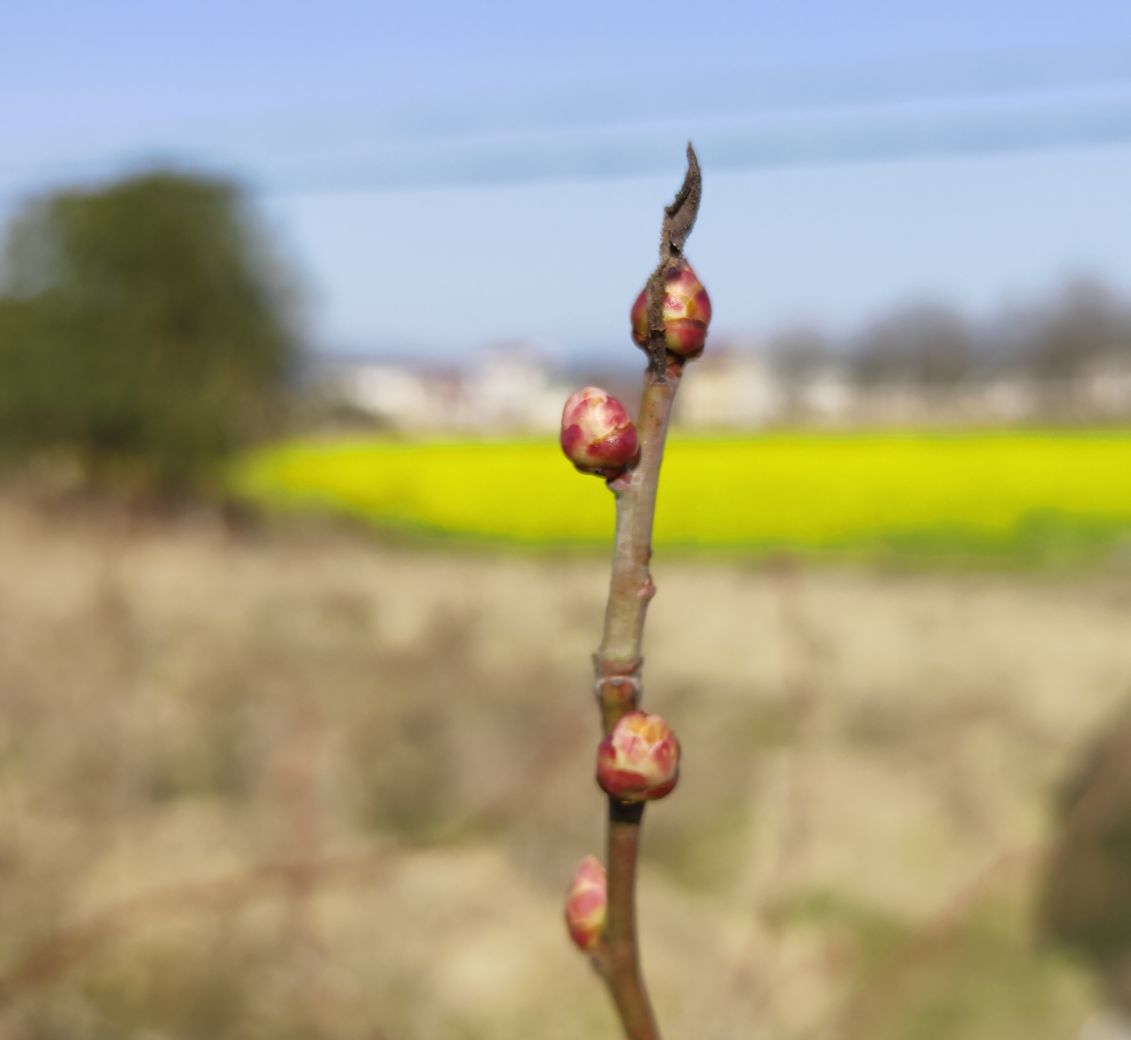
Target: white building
(510,388)
(507,389)
(730,388)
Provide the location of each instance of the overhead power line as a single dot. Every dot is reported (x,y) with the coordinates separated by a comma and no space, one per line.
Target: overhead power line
(876,115)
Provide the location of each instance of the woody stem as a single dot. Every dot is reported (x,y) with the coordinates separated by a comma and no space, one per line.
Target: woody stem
(617,665)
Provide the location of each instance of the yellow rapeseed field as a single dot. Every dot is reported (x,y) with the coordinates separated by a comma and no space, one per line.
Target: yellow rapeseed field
(1012,495)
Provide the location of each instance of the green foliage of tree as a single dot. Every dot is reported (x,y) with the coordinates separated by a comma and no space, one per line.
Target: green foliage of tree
(145,329)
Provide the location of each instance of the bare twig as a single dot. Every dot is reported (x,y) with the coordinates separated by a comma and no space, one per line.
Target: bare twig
(304,870)
(59,951)
(679,219)
(617,663)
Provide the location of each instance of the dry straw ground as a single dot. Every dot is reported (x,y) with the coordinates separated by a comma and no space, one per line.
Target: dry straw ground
(297,784)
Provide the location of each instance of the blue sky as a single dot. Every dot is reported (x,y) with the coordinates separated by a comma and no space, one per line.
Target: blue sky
(447,174)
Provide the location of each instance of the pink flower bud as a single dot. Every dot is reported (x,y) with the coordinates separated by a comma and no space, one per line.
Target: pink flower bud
(639,760)
(597,434)
(585,905)
(686,313)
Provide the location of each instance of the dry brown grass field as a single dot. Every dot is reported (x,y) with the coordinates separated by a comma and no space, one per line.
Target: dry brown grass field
(298,784)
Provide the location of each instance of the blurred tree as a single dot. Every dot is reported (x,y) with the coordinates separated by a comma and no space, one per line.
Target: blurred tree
(144,328)
(799,353)
(1087,323)
(925,345)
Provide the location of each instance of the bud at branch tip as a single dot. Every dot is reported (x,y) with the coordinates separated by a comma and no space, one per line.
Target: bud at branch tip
(686,312)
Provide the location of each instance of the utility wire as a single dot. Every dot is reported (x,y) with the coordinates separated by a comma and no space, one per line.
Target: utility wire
(890,114)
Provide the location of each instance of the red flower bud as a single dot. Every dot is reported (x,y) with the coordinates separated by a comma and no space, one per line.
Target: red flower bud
(639,760)
(686,313)
(585,905)
(597,434)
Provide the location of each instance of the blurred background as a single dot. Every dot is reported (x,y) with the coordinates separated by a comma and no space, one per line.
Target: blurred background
(297,594)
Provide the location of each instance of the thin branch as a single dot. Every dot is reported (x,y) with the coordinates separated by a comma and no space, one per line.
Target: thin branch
(618,662)
(59,951)
(679,219)
(625,981)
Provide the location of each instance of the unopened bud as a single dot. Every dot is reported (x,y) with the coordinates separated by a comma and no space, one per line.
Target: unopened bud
(639,760)
(597,434)
(686,313)
(585,905)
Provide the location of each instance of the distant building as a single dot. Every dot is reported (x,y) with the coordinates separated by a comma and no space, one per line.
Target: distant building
(386,392)
(827,395)
(730,388)
(510,388)
(507,389)
(1005,398)
(1105,388)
